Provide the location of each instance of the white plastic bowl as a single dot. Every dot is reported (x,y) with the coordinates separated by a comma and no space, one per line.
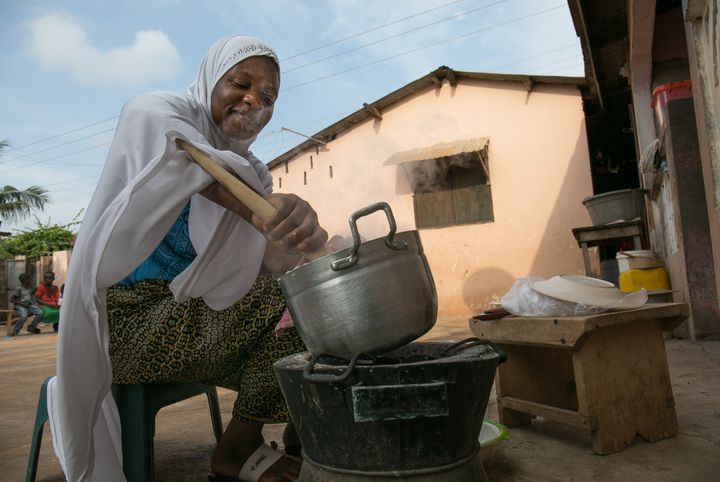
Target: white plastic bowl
(587,291)
(490,434)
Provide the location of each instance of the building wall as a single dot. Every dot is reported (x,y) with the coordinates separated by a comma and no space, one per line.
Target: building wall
(681,232)
(539,174)
(703,39)
(60,263)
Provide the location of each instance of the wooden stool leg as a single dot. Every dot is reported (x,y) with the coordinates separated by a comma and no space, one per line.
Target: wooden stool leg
(623,380)
(536,375)
(586,259)
(512,418)
(505,385)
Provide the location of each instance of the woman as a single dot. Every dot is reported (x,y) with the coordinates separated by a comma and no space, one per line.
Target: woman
(171,263)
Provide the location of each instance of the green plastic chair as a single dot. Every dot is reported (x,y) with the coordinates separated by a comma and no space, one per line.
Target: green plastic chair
(137,404)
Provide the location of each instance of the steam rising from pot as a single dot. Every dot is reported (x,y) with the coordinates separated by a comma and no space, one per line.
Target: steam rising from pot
(432,174)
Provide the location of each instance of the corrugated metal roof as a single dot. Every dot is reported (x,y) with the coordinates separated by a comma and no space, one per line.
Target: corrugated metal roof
(437,151)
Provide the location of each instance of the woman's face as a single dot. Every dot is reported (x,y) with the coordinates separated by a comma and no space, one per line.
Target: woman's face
(244,98)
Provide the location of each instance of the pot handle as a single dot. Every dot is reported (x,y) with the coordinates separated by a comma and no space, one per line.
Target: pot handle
(327,378)
(352,258)
(463,345)
(503,355)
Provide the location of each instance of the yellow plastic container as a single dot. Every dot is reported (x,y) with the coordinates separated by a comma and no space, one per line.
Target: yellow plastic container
(654,279)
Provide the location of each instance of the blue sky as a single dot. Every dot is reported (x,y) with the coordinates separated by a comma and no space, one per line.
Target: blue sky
(68,66)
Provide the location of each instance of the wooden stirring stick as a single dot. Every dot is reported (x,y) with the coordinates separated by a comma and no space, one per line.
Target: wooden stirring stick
(254,201)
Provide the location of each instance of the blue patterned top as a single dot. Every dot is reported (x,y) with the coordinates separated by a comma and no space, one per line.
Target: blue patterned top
(174,253)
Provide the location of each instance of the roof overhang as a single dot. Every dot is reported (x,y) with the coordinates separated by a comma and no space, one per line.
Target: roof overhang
(602,27)
(437,151)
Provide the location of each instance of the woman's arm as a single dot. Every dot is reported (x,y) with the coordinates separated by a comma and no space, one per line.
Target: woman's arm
(219,195)
(294,228)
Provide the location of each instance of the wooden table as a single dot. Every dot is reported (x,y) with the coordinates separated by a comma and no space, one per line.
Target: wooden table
(604,373)
(606,234)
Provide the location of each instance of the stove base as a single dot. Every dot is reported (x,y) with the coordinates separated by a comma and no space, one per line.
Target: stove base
(470,471)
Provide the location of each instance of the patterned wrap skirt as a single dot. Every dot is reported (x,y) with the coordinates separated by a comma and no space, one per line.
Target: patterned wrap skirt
(155,339)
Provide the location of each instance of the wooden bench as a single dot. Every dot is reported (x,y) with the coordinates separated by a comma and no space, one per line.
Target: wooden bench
(10,317)
(605,373)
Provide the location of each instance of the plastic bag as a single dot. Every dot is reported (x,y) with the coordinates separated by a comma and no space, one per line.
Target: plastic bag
(523,300)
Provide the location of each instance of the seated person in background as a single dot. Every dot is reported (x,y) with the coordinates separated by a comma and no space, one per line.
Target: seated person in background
(48,297)
(23,299)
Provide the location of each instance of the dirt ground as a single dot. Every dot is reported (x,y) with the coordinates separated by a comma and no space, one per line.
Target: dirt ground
(542,451)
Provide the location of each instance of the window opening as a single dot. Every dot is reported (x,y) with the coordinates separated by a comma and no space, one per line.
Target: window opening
(451,190)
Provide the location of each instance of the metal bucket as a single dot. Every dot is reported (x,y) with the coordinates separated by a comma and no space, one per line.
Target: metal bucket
(415,411)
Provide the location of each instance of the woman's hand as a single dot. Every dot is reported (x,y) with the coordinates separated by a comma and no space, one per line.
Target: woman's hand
(294,226)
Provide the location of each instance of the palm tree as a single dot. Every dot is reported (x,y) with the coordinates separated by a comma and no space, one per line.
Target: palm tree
(16,204)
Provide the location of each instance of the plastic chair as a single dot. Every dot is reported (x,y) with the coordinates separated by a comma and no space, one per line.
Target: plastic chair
(137,404)
(41,416)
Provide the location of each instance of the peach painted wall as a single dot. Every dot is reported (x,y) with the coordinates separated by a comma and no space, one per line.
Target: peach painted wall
(539,170)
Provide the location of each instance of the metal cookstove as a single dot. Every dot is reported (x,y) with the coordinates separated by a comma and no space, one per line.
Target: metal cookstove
(412,414)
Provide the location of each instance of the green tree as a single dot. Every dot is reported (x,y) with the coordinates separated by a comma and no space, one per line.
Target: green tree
(44,239)
(16,204)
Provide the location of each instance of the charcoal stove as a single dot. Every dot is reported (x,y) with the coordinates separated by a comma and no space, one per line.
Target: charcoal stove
(412,414)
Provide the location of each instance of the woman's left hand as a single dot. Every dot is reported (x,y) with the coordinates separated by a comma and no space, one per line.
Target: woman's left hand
(294,225)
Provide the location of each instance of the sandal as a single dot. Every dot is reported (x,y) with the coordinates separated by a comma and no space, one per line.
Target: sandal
(256,465)
(293,452)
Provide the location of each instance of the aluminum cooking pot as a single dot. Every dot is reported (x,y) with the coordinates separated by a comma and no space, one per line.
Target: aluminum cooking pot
(371,298)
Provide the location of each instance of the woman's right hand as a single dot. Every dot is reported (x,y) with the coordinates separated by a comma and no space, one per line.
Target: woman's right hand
(294,226)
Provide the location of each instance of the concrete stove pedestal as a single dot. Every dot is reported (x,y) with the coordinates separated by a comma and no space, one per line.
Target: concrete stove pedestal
(470,470)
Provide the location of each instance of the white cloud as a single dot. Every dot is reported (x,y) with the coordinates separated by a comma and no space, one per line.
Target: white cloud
(59,43)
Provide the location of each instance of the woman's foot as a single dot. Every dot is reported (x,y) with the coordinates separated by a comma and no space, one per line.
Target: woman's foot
(238,443)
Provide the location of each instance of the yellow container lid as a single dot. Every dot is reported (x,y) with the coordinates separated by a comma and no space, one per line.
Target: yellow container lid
(654,279)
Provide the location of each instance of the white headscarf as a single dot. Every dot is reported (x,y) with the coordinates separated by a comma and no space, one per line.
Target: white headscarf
(145,184)
(222,56)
